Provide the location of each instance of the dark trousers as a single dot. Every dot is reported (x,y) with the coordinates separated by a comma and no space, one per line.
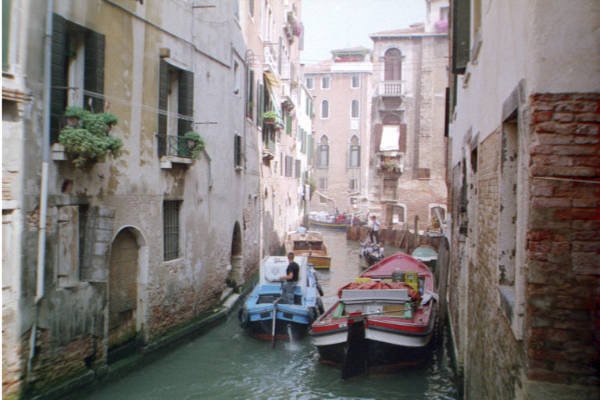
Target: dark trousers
(374,236)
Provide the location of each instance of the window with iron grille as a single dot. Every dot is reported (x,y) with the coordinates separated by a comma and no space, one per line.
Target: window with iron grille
(171,229)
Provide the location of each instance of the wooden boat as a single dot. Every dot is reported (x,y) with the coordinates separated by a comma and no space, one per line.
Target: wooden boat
(310,244)
(386,317)
(330,221)
(265,301)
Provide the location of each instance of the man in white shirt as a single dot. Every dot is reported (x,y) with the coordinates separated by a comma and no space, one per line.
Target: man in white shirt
(374,226)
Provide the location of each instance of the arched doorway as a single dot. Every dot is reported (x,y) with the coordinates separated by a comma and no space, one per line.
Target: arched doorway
(122,289)
(236,277)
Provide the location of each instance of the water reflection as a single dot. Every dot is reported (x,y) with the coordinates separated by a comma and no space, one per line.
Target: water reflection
(227,364)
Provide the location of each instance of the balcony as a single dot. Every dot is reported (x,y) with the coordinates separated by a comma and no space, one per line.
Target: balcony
(174,150)
(391,164)
(390,89)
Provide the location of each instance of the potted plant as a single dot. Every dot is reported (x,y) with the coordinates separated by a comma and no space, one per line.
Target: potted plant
(73,115)
(194,142)
(269,117)
(88,141)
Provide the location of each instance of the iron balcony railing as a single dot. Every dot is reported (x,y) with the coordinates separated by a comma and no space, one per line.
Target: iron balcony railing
(175,146)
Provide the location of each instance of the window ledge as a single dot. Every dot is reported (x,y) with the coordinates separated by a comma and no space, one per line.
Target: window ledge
(166,162)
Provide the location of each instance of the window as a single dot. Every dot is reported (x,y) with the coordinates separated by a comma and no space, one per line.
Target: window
(461,25)
(323,153)
(236,78)
(355,108)
(289,166)
(237,151)
(398,214)
(355,81)
(251,7)
(393,135)
(298,169)
(353,184)
(309,83)
(250,94)
(324,109)
(323,183)
(176,110)
(309,107)
(325,82)
(393,65)
(77,64)
(171,229)
(354,153)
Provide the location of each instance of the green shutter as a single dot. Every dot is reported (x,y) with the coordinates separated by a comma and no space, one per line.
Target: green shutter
(94,70)
(58,72)
(461,32)
(402,138)
(163,94)
(5,33)
(261,107)
(288,124)
(185,102)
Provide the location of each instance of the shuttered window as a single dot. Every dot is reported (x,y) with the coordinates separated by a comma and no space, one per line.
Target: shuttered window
(176,107)
(237,150)
(5,33)
(65,36)
(461,32)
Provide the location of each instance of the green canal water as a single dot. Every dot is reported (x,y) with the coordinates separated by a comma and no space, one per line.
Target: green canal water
(224,363)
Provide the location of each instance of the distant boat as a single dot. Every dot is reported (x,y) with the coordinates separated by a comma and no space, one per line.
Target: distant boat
(307,243)
(384,318)
(322,219)
(265,315)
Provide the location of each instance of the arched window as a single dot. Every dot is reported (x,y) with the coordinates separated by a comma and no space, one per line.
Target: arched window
(323,154)
(324,109)
(354,153)
(355,109)
(393,65)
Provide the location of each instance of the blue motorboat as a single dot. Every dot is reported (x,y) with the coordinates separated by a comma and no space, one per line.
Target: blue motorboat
(266,302)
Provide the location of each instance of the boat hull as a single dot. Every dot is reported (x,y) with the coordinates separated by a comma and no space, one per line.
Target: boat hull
(328,225)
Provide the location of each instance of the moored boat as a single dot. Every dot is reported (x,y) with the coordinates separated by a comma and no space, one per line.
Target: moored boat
(303,242)
(266,315)
(386,317)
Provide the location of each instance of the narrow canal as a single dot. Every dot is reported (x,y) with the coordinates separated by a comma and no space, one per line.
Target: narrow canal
(227,364)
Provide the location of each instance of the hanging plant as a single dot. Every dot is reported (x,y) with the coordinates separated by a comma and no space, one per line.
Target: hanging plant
(269,117)
(194,142)
(88,141)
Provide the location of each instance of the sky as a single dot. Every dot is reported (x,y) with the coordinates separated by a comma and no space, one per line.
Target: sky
(338,24)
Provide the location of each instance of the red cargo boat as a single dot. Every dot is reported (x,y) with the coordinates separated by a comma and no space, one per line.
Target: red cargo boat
(386,317)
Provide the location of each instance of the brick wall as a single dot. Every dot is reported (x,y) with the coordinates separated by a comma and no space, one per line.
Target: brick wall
(563,242)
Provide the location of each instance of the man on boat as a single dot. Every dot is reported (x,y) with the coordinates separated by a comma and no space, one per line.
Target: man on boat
(374,231)
(289,280)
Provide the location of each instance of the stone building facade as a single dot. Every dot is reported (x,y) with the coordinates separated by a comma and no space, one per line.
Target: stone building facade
(136,245)
(407,169)
(523,284)
(273,32)
(340,90)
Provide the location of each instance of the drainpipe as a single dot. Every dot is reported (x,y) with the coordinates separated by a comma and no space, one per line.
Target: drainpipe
(39,289)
